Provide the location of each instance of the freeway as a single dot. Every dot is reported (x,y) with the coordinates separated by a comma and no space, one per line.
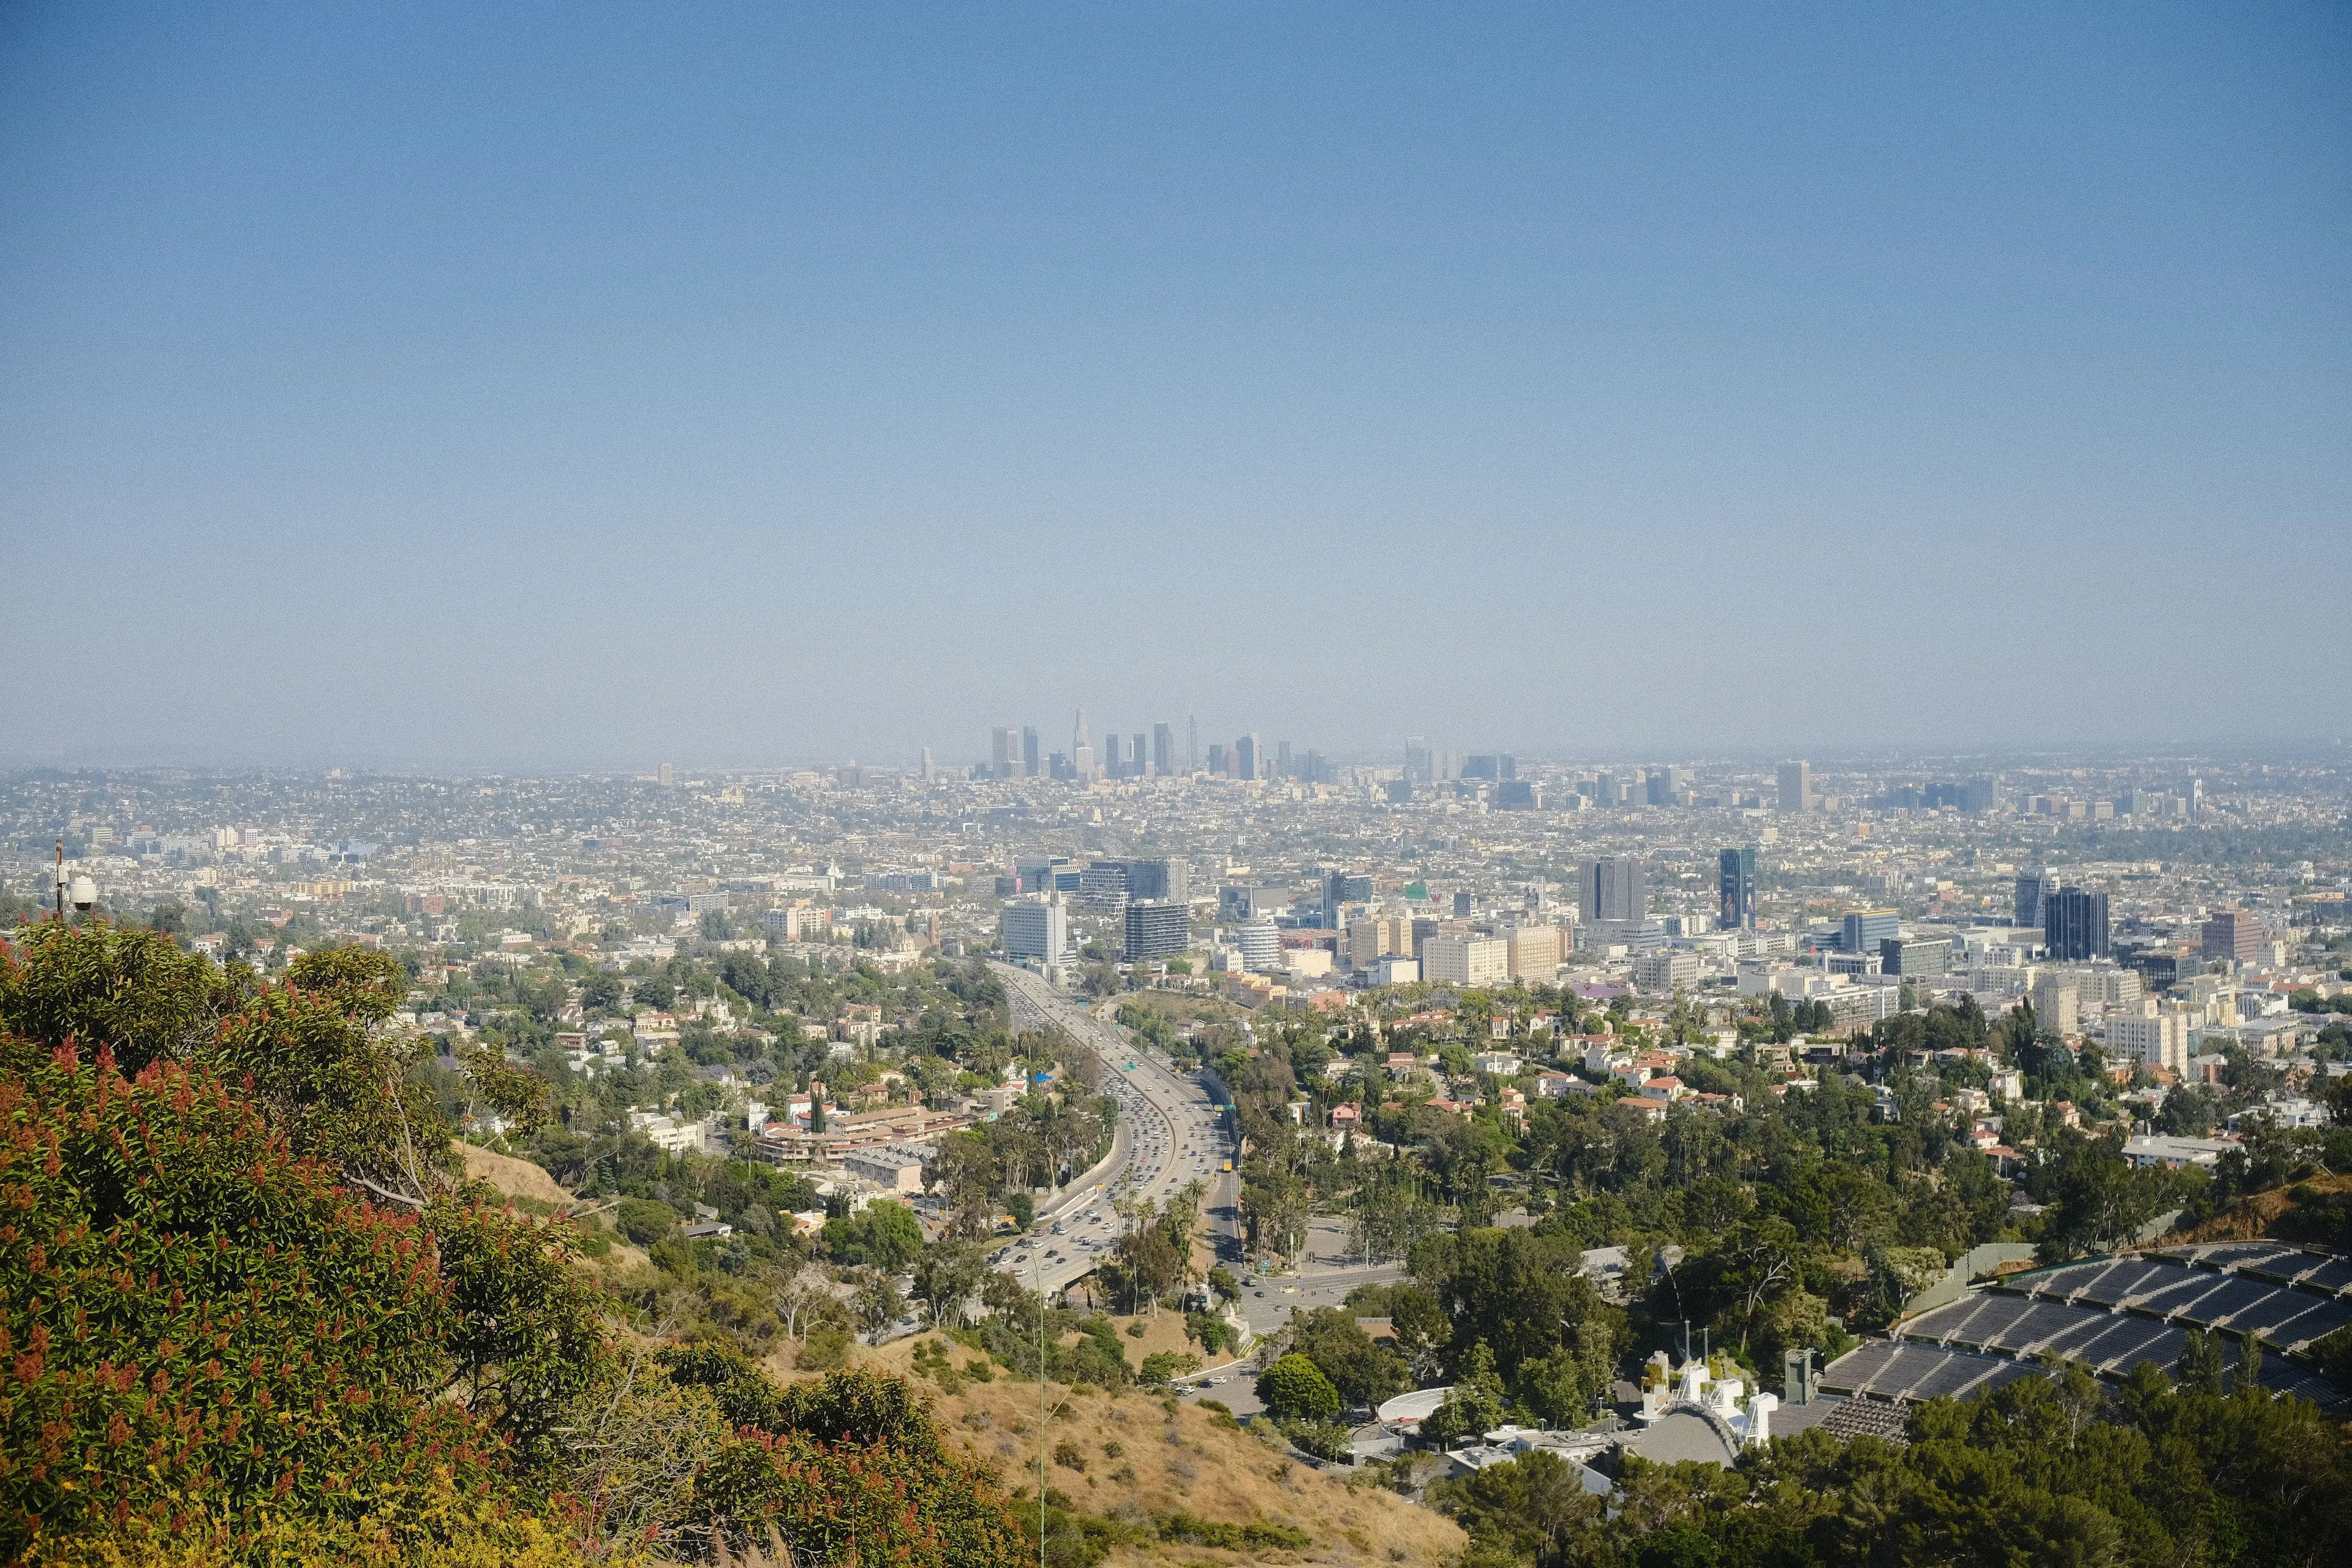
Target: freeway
(1170,1132)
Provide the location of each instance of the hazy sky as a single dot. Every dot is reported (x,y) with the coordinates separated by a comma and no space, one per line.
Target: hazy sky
(744,383)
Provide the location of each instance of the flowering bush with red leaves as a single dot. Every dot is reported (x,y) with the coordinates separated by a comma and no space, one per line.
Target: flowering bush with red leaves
(195,1322)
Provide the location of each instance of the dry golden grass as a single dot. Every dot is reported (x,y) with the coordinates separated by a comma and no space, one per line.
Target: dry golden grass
(2251,1217)
(1139,1462)
(523,1179)
(516,1178)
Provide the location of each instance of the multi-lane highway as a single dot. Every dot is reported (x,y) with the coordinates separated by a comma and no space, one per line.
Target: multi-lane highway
(1170,1132)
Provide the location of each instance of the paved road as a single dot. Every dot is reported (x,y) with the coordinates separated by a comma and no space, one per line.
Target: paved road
(1170,1133)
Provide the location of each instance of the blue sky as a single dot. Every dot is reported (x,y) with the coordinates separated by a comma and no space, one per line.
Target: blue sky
(490,385)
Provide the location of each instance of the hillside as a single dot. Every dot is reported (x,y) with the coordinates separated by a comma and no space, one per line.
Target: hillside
(536,1192)
(1132,1459)
(2310,1212)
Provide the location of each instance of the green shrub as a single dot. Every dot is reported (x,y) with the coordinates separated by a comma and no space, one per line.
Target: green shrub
(1189,1529)
(827,1346)
(1295,1388)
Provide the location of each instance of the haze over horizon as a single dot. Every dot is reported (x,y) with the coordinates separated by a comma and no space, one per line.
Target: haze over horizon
(585,389)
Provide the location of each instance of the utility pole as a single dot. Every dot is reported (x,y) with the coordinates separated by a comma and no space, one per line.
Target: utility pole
(1038,1273)
(61,882)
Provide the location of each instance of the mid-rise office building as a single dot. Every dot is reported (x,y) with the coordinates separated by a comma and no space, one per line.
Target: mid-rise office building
(1664,971)
(1036,927)
(1515,794)
(1031,762)
(1377,936)
(1472,960)
(1736,883)
(1157,929)
(2075,927)
(1612,889)
(1004,752)
(2234,934)
(1866,929)
(1797,786)
(1163,751)
(1103,885)
(1914,956)
(1667,787)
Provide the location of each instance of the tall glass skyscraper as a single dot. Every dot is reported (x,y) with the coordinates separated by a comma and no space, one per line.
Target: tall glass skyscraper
(1737,880)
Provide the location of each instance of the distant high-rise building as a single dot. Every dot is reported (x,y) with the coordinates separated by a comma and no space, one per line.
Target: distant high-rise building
(1481,765)
(1163,751)
(1157,929)
(2034,891)
(1314,773)
(1140,762)
(1605,791)
(668,775)
(1736,880)
(1246,758)
(1515,794)
(1666,787)
(1217,759)
(1419,766)
(1159,879)
(2075,925)
(1980,795)
(927,764)
(1342,888)
(1282,764)
(1797,786)
(1030,760)
(2234,934)
(1612,889)
(1082,750)
(1004,752)
(1192,744)
(1866,929)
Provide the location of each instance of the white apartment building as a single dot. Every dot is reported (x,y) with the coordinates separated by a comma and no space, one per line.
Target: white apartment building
(1465,960)
(2157,1038)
